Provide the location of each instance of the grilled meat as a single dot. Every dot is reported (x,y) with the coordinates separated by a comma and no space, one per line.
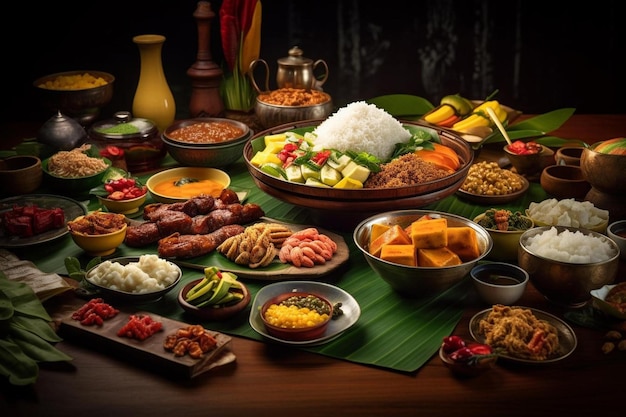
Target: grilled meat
(190,246)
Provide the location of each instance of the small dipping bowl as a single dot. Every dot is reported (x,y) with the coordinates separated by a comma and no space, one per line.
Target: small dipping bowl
(564,181)
(616,231)
(499,282)
(568,155)
(526,165)
(20,174)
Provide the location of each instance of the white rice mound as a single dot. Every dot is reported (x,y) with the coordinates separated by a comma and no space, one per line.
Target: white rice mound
(361,127)
(572,247)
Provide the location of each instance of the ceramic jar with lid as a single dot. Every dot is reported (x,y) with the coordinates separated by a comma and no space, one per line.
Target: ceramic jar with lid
(131,143)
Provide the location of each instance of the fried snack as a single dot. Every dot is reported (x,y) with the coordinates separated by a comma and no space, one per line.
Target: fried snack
(256,246)
(520,333)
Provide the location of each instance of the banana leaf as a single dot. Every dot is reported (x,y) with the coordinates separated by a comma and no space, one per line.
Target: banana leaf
(403,106)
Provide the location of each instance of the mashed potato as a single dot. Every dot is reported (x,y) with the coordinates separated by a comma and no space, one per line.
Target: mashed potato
(149,274)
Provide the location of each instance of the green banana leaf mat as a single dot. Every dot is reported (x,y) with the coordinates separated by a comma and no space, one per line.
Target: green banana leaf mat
(392,332)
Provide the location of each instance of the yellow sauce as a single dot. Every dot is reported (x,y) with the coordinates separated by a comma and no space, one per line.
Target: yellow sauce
(188,190)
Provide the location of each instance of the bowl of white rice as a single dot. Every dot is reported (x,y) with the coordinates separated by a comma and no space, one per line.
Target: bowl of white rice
(566,263)
(136,279)
(360,127)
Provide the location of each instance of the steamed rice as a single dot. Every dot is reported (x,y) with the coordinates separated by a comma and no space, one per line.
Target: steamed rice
(361,127)
(567,246)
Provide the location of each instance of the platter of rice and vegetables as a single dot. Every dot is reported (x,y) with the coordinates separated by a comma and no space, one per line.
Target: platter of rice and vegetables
(358,154)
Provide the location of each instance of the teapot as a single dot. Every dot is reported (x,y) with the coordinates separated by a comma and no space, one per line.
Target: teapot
(294,71)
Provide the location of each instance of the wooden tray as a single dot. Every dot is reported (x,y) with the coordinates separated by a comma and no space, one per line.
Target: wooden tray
(149,352)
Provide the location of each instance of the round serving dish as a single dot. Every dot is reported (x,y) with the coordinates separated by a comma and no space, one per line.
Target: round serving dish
(296,333)
(206,150)
(74,186)
(129,206)
(346,207)
(128,296)
(505,242)
(101,244)
(415,281)
(491,200)
(564,181)
(219,180)
(271,115)
(499,282)
(214,313)
(566,283)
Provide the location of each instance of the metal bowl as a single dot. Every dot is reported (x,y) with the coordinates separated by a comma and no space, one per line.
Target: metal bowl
(566,283)
(605,172)
(213,155)
(271,115)
(418,281)
(83,105)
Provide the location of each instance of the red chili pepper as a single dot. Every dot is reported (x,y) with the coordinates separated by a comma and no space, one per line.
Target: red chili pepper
(480,349)
(462,355)
(452,343)
(321,157)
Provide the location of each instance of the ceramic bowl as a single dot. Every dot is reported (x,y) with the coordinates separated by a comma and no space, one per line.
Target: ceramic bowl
(210,181)
(210,312)
(295,333)
(566,283)
(147,267)
(345,208)
(617,232)
(102,244)
(414,281)
(564,181)
(83,104)
(505,242)
(73,186)
(271,115)
(129,206)
(604,172)
(526,165)
(205,151)
(568,155)
(20,174)
(499,282)
(599,301)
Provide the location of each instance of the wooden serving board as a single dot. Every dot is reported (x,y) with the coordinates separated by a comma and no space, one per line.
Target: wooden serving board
(149,352)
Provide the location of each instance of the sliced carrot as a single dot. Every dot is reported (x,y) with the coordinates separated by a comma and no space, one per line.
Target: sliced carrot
(449,121)
(440,159)
(448,151)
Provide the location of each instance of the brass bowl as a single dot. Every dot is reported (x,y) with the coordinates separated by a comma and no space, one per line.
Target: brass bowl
(271,115)
(83,105)
(604,172)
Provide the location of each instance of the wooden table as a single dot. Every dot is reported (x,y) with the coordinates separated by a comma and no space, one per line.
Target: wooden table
(269,379)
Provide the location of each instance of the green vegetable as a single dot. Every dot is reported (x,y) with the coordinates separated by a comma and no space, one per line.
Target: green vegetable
(26,337)
(185,180)
(121,129)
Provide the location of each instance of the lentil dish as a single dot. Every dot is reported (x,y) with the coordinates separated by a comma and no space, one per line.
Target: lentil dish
(206,132)
(73,82)
(408,169)
(294,97)
(487,178)
(520,333)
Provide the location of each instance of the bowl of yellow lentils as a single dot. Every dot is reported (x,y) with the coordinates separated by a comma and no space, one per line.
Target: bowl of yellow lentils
(297,316)
(78,94)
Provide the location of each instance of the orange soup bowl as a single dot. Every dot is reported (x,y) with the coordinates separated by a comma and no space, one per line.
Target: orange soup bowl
(181,184)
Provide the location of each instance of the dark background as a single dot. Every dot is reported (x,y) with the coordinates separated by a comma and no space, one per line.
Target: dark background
(539,57)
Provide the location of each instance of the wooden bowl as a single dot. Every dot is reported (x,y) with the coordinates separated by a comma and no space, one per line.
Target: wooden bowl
(20,174)
(564,181)
(213,313)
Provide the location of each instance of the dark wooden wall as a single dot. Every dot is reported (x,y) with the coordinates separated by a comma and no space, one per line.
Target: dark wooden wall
(541,56)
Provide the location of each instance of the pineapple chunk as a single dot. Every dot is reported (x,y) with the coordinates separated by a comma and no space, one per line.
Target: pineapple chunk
(262,158)
(280,138)
(349,183)
(356,171)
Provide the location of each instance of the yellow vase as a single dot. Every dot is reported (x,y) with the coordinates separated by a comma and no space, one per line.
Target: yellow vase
(153,98)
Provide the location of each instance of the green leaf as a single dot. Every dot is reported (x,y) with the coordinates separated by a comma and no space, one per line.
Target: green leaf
(554,142)
(546,122)
(6,307)
(23,297)
(16,365)
(402,105)
(38,327)
(35,347)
